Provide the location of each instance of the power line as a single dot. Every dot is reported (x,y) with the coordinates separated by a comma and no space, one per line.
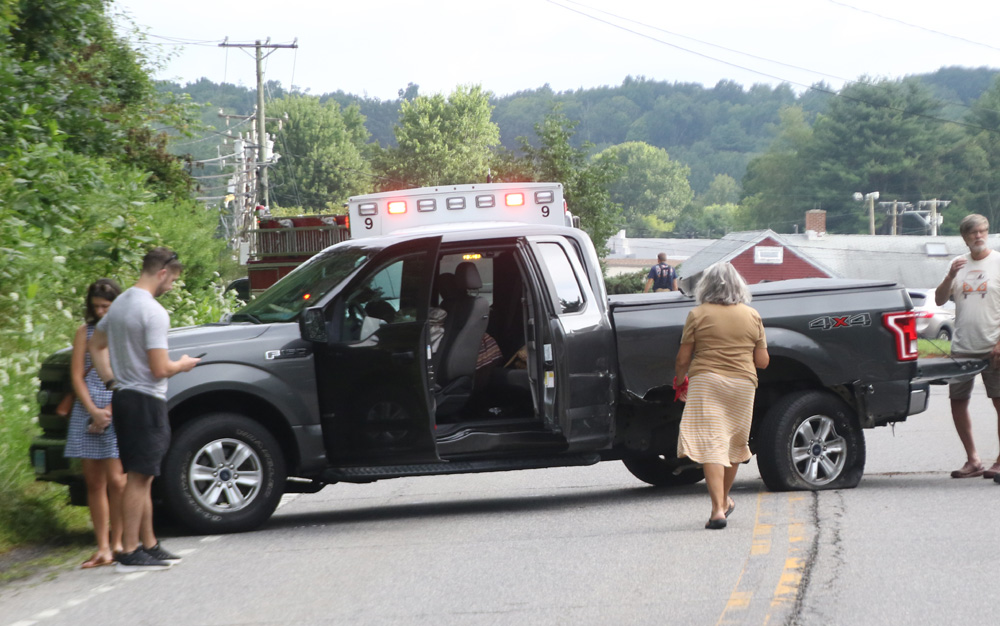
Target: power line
(772,76)
(917,26)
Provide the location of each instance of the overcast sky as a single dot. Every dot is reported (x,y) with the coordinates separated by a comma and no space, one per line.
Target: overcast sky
(376,47)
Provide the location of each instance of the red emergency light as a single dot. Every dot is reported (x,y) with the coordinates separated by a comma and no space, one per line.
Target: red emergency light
(397,207)
(515,199)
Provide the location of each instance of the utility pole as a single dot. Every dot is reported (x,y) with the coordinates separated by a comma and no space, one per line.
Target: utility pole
(262,156)
(871,198)
(934,217)
(871,214)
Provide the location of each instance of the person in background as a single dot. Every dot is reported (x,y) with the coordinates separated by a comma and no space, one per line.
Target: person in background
(130,344)
(973,281)
(91,434)
(722,347)
(661,276)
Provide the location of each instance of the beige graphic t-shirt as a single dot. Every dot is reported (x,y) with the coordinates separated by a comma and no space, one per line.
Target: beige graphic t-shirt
(976,291)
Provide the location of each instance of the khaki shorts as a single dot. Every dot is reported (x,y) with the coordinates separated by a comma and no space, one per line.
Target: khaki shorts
(961,389)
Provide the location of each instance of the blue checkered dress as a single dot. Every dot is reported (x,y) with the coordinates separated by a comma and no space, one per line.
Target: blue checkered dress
(79,443)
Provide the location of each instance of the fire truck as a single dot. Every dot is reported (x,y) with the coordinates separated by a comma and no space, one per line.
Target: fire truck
(280,244)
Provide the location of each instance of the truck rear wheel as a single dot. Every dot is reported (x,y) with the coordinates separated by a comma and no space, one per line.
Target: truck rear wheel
(223,473)
(663,471)
(810,440)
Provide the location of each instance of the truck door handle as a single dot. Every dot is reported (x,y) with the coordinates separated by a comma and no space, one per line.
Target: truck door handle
(402,357)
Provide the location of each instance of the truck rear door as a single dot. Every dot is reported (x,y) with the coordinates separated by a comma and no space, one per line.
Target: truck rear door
(372,374)
(574,345)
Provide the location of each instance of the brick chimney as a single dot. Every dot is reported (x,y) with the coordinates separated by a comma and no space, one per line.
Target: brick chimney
(815,223)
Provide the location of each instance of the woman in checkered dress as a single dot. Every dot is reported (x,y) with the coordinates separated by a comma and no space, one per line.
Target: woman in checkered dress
(91,436)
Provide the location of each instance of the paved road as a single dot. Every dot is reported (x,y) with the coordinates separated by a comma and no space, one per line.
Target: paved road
(582,546)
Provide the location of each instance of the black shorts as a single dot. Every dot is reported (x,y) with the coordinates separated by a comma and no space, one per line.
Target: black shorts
(143,431)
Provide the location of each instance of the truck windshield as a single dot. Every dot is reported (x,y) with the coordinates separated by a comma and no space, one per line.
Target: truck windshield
(305,286)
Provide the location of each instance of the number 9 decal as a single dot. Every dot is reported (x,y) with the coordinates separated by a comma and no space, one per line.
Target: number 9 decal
(545,211)
(369,224)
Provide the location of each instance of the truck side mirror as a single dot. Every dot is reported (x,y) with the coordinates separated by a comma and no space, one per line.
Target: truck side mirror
(312,325)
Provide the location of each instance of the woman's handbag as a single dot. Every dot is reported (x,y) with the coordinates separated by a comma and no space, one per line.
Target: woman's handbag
(66,404)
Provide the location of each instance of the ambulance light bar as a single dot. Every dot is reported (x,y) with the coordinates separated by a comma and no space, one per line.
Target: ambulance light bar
(381,213)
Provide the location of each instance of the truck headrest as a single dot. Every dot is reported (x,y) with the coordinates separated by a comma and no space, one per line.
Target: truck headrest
(468,276)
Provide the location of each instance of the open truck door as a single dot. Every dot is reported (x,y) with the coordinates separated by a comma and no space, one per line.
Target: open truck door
(372,373)
(571,345)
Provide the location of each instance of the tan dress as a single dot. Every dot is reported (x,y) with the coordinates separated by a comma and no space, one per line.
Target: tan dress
(715,427)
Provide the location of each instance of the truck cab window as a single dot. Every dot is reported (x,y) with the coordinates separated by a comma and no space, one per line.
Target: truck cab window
(563,278)
(380,300)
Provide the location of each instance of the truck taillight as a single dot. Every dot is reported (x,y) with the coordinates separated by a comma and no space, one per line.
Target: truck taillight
(903,326)
(397,207)
(515,199)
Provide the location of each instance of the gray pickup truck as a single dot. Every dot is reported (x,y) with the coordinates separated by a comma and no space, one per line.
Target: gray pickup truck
(345,371)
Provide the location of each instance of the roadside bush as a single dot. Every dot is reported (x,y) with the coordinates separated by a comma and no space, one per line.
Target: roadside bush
(626,283)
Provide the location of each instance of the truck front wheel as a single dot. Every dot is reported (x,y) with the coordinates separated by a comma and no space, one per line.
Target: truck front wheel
(663,471)
(810,440)
(223,473)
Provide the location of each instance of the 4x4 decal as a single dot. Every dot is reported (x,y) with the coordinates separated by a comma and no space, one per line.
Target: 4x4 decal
(845,321)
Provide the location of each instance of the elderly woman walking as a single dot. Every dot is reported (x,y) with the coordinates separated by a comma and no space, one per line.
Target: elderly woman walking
(722,347)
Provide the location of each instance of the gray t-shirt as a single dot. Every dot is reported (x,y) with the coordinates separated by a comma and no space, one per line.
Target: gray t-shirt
(134,324)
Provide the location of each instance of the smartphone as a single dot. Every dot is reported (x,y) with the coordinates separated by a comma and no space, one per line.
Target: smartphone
(198,356)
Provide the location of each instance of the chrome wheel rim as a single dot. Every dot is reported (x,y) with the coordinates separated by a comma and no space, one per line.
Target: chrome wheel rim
(225,475)
(818,452)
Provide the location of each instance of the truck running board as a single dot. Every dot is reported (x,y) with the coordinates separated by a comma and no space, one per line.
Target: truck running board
(370,474)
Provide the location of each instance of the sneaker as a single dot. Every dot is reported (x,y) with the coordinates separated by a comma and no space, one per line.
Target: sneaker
(139,561)
(157,552)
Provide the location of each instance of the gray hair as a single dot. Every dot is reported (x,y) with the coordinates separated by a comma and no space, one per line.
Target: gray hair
(970,223)
(721,284)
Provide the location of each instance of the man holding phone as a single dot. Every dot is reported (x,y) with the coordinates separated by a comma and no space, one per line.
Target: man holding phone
(129,351)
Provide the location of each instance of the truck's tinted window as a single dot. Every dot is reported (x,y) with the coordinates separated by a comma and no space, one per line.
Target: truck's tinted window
(567,288)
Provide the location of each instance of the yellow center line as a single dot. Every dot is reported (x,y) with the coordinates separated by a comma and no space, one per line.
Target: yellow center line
(740,600)
(774,558)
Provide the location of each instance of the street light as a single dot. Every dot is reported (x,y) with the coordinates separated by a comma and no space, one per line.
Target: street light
(871,198)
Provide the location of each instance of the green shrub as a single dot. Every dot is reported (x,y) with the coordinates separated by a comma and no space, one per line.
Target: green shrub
(626,283)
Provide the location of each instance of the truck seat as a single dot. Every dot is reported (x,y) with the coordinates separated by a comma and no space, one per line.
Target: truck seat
(463,333)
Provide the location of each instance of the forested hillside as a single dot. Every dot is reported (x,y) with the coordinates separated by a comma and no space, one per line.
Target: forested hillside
(713,130)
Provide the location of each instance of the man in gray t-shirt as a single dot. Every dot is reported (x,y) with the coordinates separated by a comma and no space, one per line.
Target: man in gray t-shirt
(129,351)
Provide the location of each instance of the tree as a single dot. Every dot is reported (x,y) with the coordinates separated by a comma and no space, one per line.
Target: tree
(723,190)
(773,180)
(876,136)
(322,152)
(440,141)
(648,185)
(978,157)
(585,183)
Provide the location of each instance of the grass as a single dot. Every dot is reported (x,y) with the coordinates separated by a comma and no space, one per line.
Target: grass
(933,348)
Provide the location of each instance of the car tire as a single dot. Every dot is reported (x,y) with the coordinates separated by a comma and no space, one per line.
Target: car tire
(224,473)
(810,441)
(944,334)
(662,471)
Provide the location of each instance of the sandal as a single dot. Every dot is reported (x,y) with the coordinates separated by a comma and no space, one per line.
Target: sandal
(732,507)
(993,471)
(97,561)
(716,524)
(969,471)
